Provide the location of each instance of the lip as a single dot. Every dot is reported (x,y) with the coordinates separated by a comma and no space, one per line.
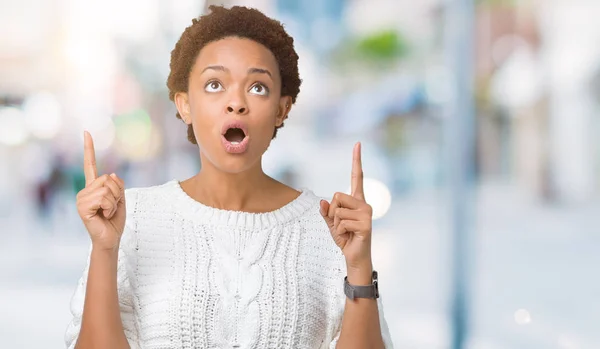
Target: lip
(235,148)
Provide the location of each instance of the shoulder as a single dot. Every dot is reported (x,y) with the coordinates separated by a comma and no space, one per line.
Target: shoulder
(316,230)
(136,193)
(142,202)
(319,256)
(143,198)
(311,218)
(144,207)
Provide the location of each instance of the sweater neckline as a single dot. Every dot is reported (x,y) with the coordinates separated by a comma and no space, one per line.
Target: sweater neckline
(241,219)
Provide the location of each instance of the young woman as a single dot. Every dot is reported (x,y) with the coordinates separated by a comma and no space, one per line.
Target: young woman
(229,258)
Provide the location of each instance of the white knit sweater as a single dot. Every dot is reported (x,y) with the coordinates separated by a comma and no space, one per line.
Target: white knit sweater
(192,276)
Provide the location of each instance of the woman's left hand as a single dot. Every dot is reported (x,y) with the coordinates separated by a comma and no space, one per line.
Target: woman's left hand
(349,218)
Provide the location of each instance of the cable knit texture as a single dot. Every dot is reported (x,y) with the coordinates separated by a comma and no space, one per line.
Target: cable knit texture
(193,276)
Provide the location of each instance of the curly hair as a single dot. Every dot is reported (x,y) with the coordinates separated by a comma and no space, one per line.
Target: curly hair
(241,22)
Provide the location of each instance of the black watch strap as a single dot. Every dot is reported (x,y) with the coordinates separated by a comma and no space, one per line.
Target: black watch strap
(370,291)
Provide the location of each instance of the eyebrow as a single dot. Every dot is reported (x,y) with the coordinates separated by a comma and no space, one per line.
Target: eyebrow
(259,71)
(250,70)
(215,67)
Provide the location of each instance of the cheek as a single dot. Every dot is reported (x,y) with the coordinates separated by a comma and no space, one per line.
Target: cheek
(266,119)
(204,113)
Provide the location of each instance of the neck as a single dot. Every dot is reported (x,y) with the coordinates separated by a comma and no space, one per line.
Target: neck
(230,191)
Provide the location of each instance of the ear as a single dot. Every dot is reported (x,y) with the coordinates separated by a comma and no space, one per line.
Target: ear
(285,105)
(183,106)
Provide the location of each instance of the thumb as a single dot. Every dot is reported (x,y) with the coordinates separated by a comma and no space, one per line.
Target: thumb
(324,210)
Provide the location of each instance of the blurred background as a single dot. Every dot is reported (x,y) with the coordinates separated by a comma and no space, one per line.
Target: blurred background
(479,122)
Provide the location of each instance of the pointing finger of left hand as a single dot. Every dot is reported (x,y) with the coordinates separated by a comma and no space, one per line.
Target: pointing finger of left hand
(357,173)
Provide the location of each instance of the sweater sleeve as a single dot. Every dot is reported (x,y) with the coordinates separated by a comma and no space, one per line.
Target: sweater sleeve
(124,291)
(385,332)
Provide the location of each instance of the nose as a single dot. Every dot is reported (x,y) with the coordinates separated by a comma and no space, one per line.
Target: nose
(237,104)
(236,109)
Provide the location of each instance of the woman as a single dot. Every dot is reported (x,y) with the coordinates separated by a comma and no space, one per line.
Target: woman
(229,258)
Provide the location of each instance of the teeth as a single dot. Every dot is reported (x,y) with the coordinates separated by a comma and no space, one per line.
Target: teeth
(235,143)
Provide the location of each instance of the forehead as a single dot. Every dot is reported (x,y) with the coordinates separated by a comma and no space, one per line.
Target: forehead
(237,54)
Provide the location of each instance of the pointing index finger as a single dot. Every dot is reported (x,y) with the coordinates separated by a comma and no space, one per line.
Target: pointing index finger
(89,159)
(357,173)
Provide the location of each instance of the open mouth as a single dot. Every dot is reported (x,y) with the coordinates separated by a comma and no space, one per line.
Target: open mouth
(234,135)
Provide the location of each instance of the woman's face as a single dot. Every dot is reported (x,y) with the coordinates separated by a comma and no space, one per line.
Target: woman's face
(233,102)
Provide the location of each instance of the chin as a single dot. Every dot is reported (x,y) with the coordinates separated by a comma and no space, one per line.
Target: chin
(234,166)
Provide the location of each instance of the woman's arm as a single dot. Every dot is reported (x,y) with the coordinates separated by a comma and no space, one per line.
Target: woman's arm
(360,323)
(102,208)
(349,219)
(101,325)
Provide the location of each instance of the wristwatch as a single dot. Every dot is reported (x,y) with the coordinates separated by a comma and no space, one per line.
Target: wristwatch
(370,291)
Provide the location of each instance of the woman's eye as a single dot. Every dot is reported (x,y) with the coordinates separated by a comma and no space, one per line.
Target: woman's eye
(259,89)
(213,86)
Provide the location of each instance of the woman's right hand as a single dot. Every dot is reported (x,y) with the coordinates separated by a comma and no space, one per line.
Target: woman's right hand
(101,204)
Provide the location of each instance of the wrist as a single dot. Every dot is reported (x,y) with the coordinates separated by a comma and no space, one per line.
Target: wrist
(105,252)
(360,275)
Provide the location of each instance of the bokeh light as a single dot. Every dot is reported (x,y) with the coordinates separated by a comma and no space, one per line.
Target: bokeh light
(378,195)
(105,137)
(13,130)
(522,317)
(43,115)
(137,139)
